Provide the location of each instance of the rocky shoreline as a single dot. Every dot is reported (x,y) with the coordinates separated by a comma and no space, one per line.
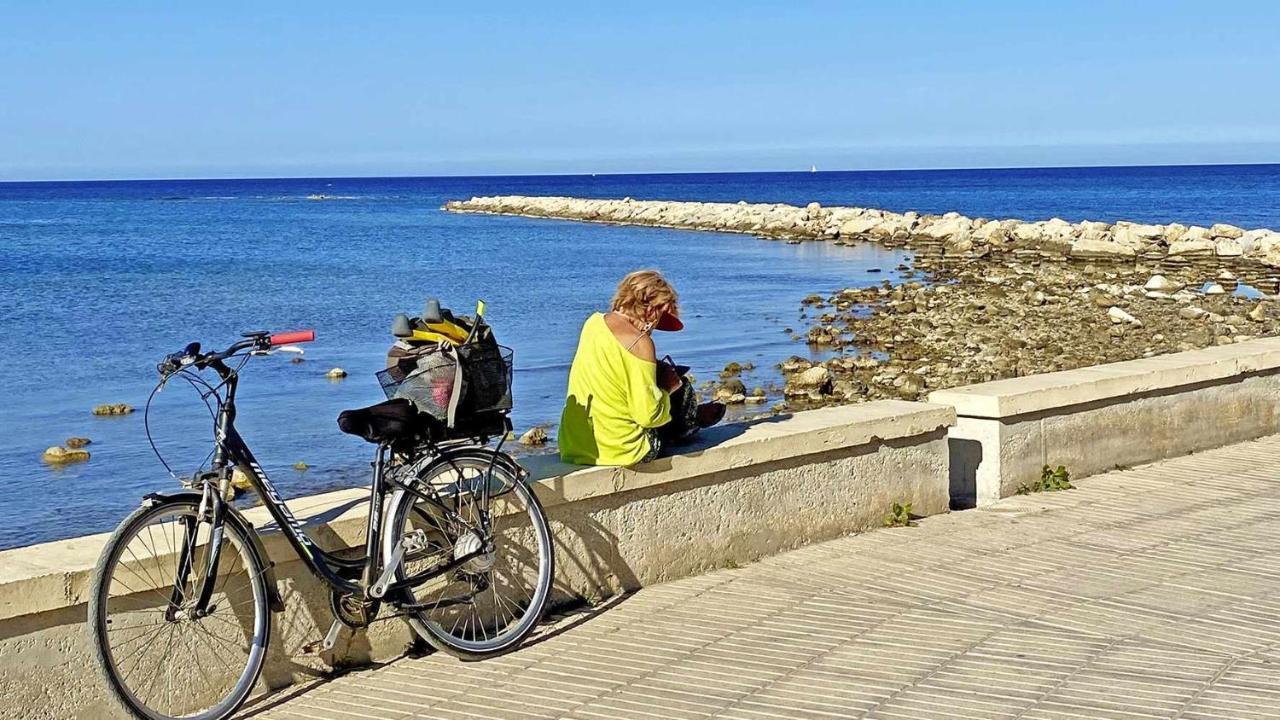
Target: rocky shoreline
(982,299)
(969,324)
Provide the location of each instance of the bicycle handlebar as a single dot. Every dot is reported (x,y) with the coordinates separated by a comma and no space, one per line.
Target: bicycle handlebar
(259,341)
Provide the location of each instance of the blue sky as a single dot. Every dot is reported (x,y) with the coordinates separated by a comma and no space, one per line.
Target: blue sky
(229,89)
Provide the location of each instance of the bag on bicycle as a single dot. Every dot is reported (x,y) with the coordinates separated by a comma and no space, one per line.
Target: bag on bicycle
(453,370)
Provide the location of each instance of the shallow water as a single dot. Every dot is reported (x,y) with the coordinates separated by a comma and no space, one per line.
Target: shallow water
(99,280)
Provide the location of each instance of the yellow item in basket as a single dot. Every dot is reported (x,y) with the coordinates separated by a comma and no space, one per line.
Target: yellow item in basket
(445,331)
(428,336)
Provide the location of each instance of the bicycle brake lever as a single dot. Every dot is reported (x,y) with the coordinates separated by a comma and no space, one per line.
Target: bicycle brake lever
(274,350)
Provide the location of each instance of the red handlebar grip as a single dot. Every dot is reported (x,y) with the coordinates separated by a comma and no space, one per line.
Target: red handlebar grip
(293,336)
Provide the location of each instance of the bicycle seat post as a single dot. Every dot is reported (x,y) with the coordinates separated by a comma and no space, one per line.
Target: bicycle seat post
(374,530)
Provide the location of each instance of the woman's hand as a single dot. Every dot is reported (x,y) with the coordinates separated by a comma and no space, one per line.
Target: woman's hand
(668,379)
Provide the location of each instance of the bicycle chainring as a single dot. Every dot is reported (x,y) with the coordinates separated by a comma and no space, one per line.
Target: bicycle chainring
(352,610)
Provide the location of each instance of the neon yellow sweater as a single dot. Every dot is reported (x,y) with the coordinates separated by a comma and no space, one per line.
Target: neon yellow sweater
(613,399)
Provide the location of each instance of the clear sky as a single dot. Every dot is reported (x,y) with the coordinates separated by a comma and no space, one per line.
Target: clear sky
(98,89)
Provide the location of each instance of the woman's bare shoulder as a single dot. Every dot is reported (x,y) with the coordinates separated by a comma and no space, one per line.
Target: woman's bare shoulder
(636,342)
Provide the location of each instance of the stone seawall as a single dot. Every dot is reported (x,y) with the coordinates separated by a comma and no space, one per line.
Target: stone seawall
(956,234)
(739,494)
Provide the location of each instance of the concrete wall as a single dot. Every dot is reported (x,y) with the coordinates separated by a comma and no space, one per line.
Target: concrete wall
(1096,419)
(744,492)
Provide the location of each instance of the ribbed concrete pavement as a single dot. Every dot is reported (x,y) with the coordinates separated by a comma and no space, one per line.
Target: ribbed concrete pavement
(1144,593)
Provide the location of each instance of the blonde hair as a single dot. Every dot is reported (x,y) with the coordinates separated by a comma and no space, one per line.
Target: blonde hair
(644,289)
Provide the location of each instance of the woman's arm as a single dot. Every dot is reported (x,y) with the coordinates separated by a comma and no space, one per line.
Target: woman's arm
(650,405)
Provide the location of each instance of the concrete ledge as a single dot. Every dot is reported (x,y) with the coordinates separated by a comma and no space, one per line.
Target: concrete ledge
(1099,418)
(745,445)
(743,492)
(1050,391)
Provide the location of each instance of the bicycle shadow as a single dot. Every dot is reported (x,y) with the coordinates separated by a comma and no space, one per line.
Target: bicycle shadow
(591,565)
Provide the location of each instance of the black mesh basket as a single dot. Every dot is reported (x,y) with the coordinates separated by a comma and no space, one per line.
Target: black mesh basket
(486,374)
(431,380)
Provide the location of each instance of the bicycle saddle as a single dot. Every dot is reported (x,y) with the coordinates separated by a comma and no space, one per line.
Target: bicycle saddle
(385,422)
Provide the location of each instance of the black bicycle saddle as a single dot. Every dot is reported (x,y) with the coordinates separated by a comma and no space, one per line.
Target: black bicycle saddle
(386,422)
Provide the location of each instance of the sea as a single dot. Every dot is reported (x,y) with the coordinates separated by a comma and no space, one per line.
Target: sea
(100,280)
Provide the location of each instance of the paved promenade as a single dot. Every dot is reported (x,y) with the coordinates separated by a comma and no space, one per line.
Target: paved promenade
(1144,593)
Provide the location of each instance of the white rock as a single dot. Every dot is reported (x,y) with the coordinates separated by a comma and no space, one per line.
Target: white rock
(1026,232)
(1119,316)
(992,231)
(1228,247)
(1162,284)
(1268,248)
(1223,230)
(858,226)
(1135,235)
(1195,232)
(1214,289)
(816,376)
(1105,249)
(946,227)
(1252,239)
(1185,246)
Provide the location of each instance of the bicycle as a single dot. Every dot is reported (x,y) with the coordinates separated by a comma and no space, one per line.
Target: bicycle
(183,594)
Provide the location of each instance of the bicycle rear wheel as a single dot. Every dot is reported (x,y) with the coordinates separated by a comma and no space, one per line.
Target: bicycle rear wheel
(494,600)
(161,657)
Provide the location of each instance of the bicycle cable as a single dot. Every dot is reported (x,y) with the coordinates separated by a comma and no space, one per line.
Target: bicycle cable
(195,381)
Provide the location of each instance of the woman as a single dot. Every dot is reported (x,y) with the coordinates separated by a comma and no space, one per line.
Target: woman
(623,403)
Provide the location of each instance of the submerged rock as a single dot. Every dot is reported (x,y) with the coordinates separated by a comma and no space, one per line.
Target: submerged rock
(76,443)
(535,436)
(729,388)
(113,409)
(336,374)
(57,455)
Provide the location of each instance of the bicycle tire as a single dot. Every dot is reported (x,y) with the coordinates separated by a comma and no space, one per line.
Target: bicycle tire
(100,604)
(433,631)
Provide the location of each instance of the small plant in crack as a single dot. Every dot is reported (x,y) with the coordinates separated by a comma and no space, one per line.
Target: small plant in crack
(899,516)
(1051,480)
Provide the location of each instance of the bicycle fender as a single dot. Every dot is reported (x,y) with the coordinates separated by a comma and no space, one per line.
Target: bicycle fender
(234,516)
(482,454)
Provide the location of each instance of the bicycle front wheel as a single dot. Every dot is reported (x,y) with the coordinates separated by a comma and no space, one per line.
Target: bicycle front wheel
(492,601)
(164,656)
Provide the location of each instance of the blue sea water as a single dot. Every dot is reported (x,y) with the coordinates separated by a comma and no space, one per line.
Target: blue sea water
(99,280)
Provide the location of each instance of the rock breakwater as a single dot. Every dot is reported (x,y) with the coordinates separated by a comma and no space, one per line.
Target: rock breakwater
(950,234)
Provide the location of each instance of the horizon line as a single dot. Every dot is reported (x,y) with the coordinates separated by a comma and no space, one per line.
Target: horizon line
(627,174)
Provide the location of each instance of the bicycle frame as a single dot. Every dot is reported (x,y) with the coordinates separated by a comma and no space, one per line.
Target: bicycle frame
(231,450)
